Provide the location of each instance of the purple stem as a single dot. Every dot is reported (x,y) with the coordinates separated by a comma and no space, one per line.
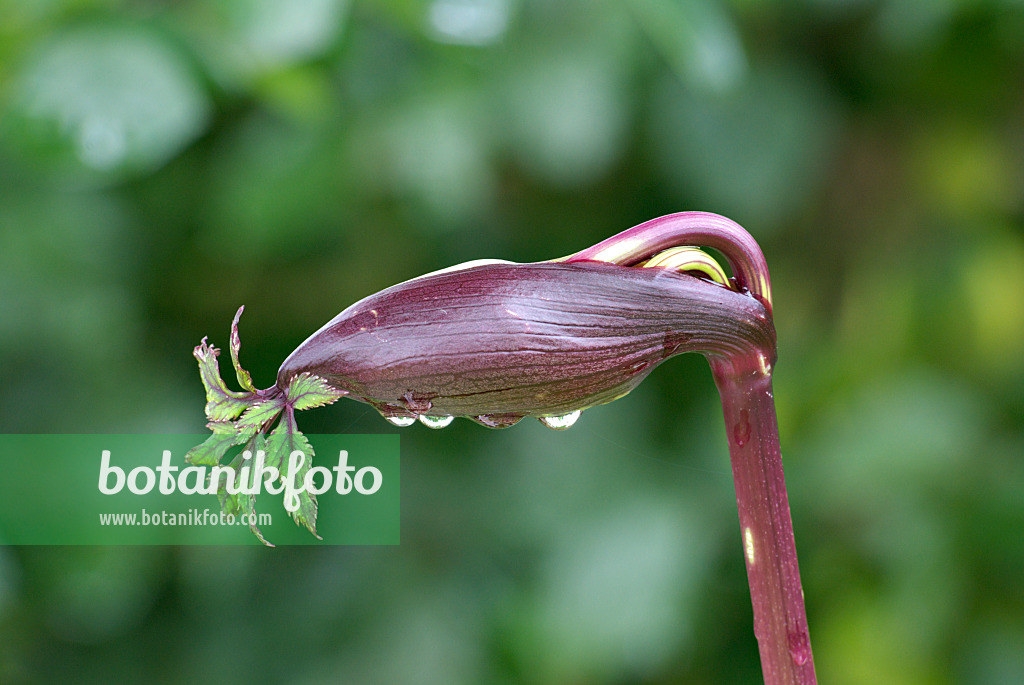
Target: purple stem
(780,620)
(700,229)
(744,381)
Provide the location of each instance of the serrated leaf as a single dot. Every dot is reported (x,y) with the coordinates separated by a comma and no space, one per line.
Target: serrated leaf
(306,391)
(213,449)
(261,414)
(254,445)
(221,404)
(281,442)
(233,504)
(244,379)
(240,503)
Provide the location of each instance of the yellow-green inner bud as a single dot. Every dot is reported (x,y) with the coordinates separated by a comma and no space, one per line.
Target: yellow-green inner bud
(689,259)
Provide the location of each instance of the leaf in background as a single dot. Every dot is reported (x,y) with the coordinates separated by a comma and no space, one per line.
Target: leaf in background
(703,141)
(221,404)
(244,379)
(281,442)
(116,97)
(698,39)
(568,114)
(247,38)
(307,391)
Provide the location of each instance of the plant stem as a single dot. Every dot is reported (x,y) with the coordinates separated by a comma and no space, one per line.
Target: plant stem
(780,620)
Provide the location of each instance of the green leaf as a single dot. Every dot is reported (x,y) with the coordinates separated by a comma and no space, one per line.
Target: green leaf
(261,414)
(698,39)
(281,442)
(237,418)
(306,391)
(241,504)
(225,435)
(244,379)
(117,96)
(221,404)
(230,502)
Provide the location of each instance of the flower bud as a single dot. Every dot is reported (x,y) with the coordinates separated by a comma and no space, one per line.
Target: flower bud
(499,341)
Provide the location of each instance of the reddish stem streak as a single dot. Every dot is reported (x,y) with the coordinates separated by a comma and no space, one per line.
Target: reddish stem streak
(780,620)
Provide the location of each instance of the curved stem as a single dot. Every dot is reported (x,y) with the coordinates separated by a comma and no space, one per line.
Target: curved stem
(701,229)
(780,620)
(744,381)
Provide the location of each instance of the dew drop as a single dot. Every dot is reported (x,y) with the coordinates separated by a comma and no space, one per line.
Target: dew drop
(401,421)
(741,431)
(560,423)
(799,647)
(436,421)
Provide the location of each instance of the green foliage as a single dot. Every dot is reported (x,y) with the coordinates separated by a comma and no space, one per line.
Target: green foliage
(282,442)
(307,391)
(256,411)
(244,379)
(225,435)
(256,415)
(115,96)
(221,404)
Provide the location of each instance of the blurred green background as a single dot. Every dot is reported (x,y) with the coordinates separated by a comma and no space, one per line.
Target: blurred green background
(162,163)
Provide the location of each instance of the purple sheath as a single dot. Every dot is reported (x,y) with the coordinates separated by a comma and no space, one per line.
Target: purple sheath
(501,341)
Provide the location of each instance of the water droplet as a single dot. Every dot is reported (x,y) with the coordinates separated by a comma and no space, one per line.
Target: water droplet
(560,423)
(498,420)
(799,647)
(401,421)
(741,431)
(436,421)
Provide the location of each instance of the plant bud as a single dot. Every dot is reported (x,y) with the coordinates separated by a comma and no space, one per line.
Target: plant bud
(499,341)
